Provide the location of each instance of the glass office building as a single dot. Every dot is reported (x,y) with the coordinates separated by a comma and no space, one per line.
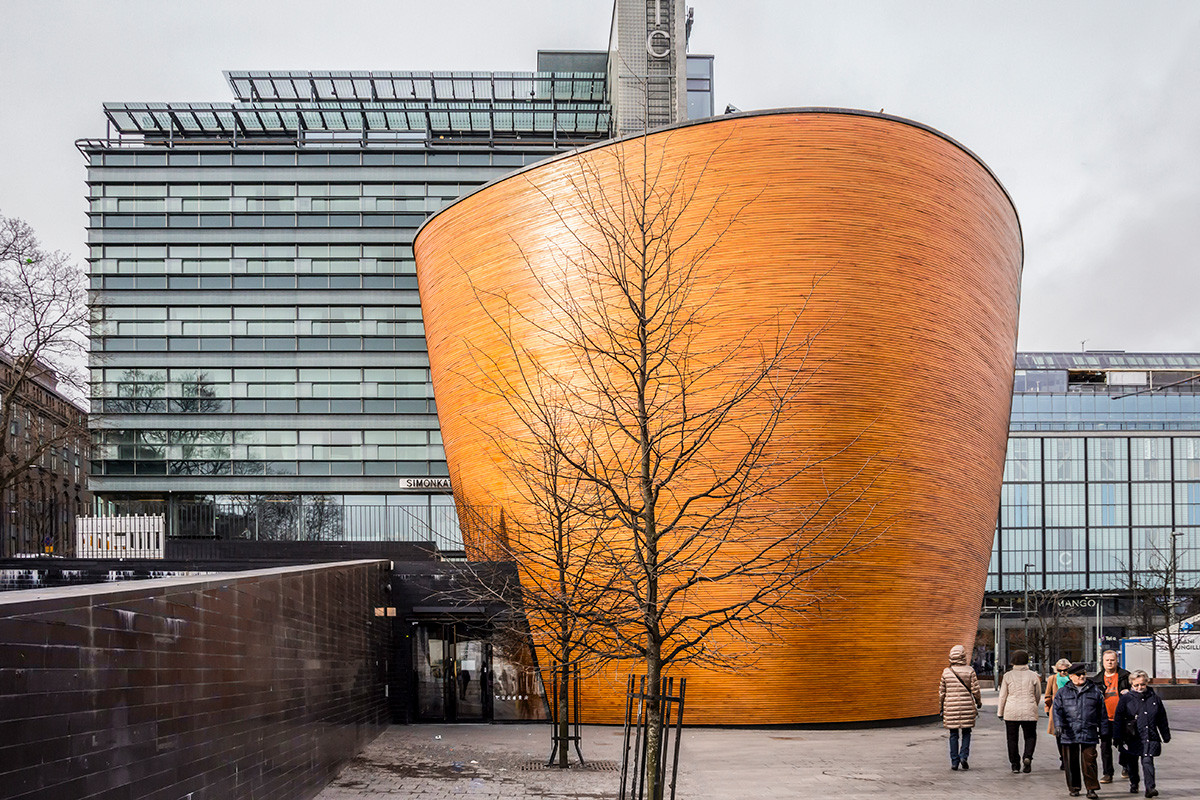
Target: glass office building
(258,356)
(1103,466)
(1101,487)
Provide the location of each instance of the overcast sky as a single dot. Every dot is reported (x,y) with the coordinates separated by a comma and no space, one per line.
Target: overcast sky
(1088,112)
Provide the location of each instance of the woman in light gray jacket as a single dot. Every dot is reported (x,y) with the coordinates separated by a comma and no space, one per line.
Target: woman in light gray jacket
(1020,694)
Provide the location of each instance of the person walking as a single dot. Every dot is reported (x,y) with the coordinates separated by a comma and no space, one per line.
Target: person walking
(960,699)
(1140,726)
(1018,707)
(1055,682)
(1079,718)
(1113,682)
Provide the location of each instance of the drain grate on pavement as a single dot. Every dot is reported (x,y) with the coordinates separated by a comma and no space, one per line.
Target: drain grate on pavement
(590,766)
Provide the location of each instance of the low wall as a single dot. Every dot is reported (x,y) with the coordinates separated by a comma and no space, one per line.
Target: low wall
(252,684)
(1179,691)
(225,549)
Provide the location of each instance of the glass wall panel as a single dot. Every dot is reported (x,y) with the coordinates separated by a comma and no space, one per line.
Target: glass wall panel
(1107,459)
(1065,504)
(1109,549)
(1064,459)
(1108,504)
(1187,458)
(1151,548)
(1020,505)
(1150,459)
(1066,550)
(1021,547)
(1151,503)
(1023,462)
(1187,504)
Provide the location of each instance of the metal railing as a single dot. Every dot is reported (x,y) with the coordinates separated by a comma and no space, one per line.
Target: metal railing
(294,520)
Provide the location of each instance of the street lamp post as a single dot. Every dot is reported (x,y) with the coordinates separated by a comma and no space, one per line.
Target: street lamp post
(1025,607)
(1171,602)
(1098,642)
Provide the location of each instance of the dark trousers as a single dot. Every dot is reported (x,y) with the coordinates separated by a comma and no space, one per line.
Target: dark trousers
(1106,756)
(958,753)
(1131,763)
(1081,758)
(1029,730)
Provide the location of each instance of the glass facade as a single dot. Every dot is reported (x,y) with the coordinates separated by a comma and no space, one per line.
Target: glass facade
(1091,493)
(259,367)
(258,356)
(700,87)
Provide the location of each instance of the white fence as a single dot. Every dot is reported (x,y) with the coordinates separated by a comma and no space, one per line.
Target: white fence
(119,537)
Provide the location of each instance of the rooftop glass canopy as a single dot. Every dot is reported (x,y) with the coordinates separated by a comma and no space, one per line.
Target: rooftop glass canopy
(288,87)
(295,104)
(1099,359)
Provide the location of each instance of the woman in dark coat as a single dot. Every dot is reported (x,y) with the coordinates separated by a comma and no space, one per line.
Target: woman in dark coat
(1141,726)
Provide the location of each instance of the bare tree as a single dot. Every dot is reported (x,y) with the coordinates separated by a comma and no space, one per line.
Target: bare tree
(557,539)
(324,519)
(1053,615)
(1154,584)
(43,327)
(662,434)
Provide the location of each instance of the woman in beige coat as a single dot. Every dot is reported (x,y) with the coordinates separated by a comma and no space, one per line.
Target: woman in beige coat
(1020,692)
(960,700)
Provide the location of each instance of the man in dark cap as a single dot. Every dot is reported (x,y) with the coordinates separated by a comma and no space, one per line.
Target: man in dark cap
(1079,718)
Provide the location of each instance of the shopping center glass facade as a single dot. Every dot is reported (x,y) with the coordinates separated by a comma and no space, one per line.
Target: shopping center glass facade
(1103,466)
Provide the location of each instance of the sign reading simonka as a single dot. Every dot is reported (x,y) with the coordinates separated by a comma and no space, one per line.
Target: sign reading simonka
(425,483)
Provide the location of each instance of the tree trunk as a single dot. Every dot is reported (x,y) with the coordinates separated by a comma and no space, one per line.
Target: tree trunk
(564,723)
(564,695)
(653,722)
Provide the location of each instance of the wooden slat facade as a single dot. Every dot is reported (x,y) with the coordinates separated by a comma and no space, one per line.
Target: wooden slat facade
(908,254)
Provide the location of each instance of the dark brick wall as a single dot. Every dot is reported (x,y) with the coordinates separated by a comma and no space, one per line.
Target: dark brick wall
(243,549)
(249,685)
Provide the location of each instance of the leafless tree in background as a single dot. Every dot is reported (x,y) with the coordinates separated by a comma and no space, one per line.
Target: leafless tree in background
(1053,620)
(43,329)
(1161,599)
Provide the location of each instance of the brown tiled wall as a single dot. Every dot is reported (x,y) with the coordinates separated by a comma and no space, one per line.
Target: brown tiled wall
(243,685)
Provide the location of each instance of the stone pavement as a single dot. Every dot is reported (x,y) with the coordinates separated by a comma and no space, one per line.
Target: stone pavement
(491,761)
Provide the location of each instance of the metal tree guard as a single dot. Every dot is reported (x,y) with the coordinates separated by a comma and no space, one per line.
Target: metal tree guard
(637,721)
(565,675)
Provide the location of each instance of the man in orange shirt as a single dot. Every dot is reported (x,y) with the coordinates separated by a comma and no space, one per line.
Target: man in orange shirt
(1112,681)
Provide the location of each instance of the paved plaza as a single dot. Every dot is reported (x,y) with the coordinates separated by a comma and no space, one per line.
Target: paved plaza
(494,761)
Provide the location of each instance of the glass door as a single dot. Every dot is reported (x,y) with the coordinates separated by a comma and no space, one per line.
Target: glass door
(452,673)
(472,678)
(434,670)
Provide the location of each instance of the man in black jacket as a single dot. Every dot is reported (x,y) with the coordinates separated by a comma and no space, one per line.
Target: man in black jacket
(1113,682)
(1079,719)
